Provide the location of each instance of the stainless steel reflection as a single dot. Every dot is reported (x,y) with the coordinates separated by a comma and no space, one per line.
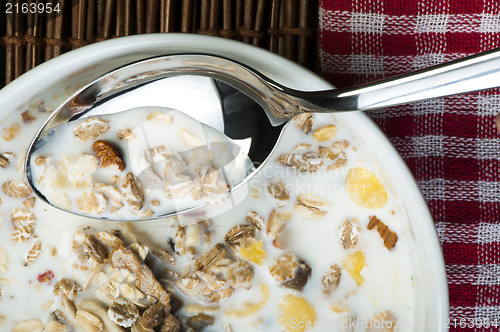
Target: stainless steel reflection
(255,107)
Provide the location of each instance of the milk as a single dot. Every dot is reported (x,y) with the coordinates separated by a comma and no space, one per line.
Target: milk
(388,274)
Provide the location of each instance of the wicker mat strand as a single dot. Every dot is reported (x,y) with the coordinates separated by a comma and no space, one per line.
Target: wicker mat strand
(285,27)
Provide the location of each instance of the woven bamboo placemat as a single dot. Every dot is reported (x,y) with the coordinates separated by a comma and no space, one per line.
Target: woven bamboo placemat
(285,27)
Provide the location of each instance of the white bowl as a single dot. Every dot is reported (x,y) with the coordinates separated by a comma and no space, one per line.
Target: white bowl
(56,79)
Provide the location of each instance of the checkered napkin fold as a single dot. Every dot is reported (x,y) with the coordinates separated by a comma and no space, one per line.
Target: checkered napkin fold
(450,144)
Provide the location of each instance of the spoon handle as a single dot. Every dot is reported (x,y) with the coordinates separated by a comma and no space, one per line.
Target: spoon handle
(469,74)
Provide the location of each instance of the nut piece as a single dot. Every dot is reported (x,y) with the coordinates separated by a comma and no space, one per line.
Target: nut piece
(390,238)
(325,133)
(90,129)
(349,233)
(331,280)
(16,189)
(304,121)
(279,192)
(108,155)
(152,316)
(123,313)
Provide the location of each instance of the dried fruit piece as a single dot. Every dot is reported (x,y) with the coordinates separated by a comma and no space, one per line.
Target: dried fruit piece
(349,233)
(294,308)
(10,132)
(240,274)
(123,313)
(91,203)
(390,237)
(305,162)
(355,262)
(108,155)
(90,129)
(365,189)
(254,218)
(331,280)
(325,133)
(279,192)
(252,251)
(47,276)
(16,189)
(304,121)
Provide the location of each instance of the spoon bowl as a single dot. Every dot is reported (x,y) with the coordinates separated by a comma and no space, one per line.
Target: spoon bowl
(253,108)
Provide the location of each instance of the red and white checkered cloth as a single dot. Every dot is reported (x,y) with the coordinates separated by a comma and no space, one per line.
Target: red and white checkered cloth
(450,144)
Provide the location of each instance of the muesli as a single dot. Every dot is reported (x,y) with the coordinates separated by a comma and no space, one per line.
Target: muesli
(319,244)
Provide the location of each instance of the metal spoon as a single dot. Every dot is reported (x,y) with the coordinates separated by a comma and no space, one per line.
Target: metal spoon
(254,107)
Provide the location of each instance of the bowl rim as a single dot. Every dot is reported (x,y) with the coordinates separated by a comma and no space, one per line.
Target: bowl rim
(278,68)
